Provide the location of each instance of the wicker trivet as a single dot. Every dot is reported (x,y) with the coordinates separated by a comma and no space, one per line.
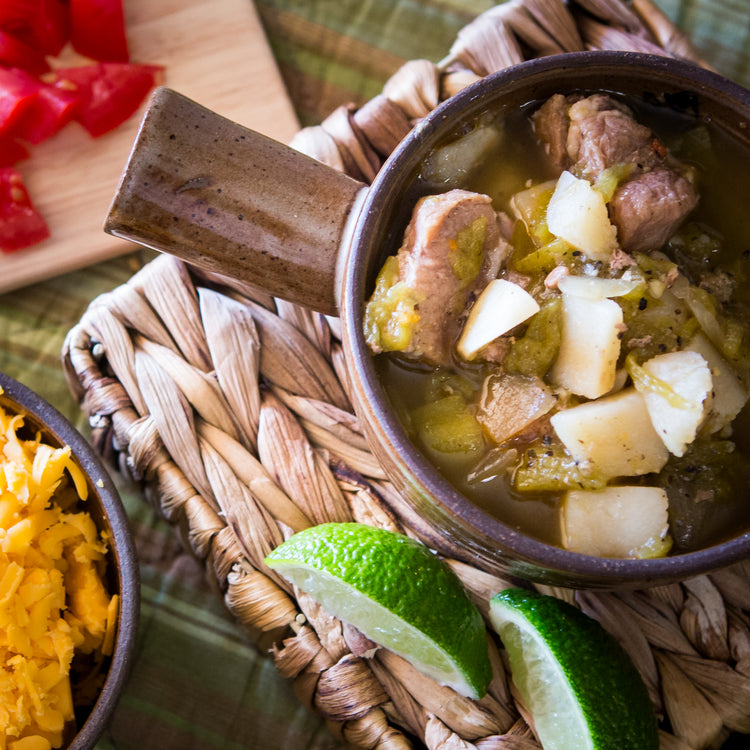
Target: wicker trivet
(232,411)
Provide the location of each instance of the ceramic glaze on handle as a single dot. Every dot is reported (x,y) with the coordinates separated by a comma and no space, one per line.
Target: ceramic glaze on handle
(230,200)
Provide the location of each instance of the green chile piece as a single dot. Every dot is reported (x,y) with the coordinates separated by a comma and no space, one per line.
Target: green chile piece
(660,324)
(467,251)
(448,425)
(530,205)
(390,314)
(536,350)
(551,469)
(444,382)
(611,178)
(544,259)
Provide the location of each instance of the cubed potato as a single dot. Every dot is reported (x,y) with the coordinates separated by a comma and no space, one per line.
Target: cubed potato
(612,436)
(687,374)
(578,214)
(500,307)
(729,395)
(590,346)
(622,522)
(510,403)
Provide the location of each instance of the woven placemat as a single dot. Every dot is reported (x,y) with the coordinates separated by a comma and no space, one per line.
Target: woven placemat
(232,410)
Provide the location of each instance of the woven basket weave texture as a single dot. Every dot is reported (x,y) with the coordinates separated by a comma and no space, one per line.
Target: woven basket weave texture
(232,410)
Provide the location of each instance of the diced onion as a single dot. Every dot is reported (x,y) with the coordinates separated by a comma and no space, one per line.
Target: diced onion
(592,287)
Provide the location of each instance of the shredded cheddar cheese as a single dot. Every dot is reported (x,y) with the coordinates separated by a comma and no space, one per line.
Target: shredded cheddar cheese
(53,601)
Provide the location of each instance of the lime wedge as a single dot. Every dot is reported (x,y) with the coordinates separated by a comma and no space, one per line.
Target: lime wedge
(580,686)
(395,591)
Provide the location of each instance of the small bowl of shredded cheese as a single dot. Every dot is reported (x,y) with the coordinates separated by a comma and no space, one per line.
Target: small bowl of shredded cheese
(69,587)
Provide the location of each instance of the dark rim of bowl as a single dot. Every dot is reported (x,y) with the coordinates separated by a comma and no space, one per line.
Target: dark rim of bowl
(391,180)
(122,548)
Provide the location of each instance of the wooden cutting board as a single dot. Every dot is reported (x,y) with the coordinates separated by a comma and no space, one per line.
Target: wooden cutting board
(215,52)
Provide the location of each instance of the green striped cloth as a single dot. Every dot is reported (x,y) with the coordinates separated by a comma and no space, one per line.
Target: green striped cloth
(197,681)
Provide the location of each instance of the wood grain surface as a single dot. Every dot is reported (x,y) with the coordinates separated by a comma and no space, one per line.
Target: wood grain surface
(215,52)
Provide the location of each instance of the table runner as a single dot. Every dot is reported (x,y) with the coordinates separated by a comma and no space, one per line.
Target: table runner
(187,689)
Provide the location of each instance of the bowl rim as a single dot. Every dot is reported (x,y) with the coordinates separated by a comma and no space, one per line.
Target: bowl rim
(541,556)
(122,547)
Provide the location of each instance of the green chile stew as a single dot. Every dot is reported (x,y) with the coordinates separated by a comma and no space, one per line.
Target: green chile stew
(564,330)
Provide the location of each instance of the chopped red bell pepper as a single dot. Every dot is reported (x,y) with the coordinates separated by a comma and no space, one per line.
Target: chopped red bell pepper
(21,225)
(97,30)
(110,92)
(52,28)
(42,24)
(36,102)
(56,104)
(15,53)
(17,95)
(17,16)
(11,152)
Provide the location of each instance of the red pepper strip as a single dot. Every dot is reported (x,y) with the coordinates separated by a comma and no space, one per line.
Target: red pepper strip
(52,27)
(11,152)
(97,30)
(42,24)
(54,107)
(17,95)
(16,16)
(21,225)
(110,92)
(15,53)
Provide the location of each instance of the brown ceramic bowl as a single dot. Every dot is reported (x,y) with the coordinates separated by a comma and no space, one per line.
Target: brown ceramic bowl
(443,516)
(105,507)
(254,209)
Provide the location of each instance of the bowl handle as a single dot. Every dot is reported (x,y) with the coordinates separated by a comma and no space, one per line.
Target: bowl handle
(230,200)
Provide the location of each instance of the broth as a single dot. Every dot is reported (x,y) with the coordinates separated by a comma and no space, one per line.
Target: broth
(512,161)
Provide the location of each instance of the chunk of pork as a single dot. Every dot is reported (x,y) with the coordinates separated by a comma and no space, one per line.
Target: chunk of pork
(603,133)
(588,135)
(648,209)
(428,265)
(551,126)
